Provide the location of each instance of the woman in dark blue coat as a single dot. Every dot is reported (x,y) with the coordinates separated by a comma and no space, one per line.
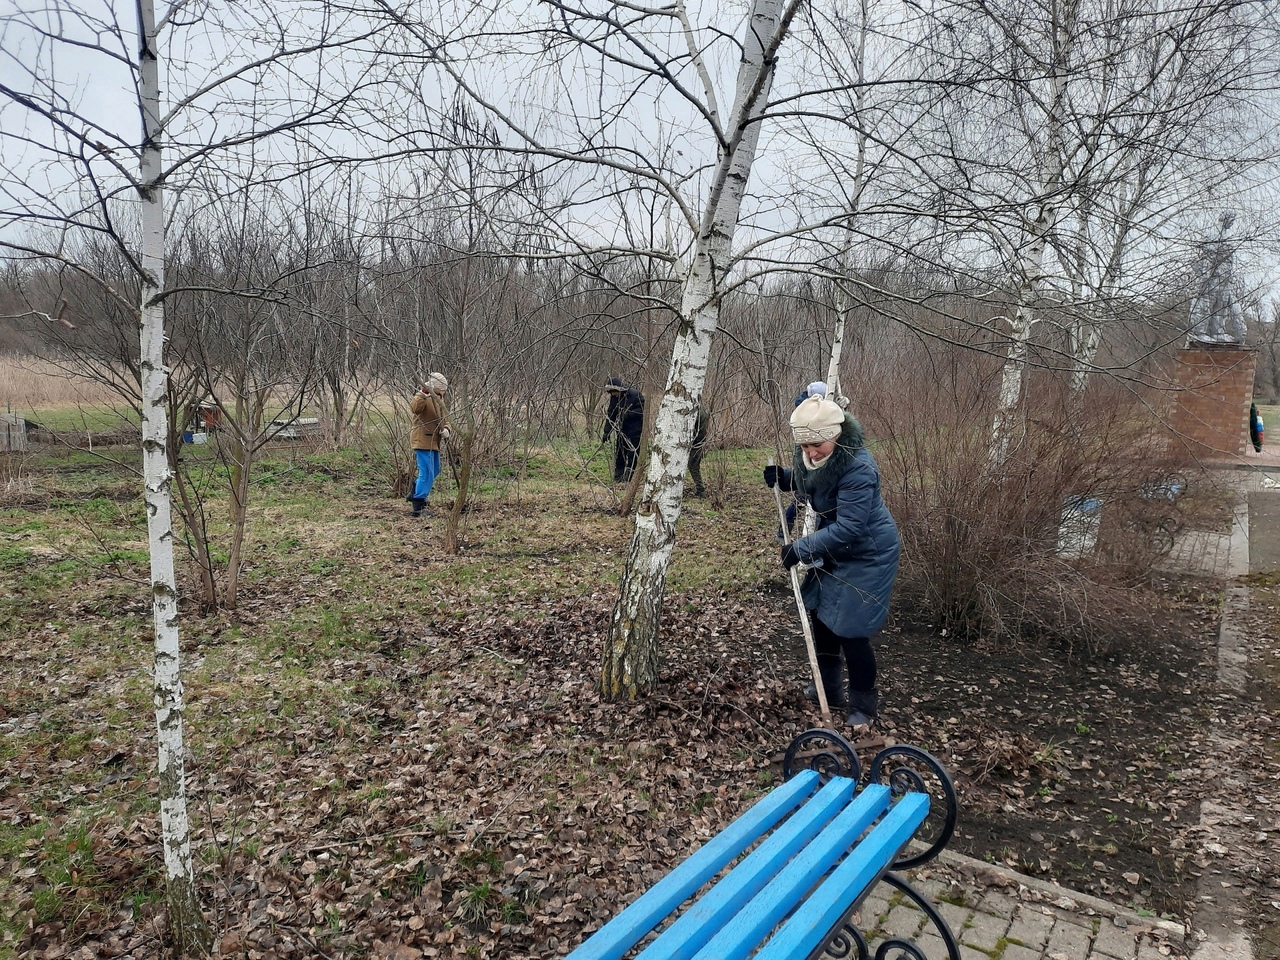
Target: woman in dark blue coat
(852,556)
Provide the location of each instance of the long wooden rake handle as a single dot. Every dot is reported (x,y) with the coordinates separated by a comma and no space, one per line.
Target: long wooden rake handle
(805,626)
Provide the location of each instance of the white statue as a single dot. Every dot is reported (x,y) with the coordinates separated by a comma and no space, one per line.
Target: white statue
(1215,313)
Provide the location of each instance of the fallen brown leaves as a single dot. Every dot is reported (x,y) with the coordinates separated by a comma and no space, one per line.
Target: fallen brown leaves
(437,777)
(462,792)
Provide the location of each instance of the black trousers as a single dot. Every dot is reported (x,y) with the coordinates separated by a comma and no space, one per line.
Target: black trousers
(625,452)
(695,468)
(858,655)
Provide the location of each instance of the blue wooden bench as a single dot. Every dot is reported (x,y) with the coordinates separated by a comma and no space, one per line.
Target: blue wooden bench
(794,867)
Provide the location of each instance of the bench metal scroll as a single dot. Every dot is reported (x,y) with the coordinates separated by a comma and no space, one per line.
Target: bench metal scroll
(792,870)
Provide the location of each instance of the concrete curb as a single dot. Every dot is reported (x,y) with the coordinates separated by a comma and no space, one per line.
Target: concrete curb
(1070,900)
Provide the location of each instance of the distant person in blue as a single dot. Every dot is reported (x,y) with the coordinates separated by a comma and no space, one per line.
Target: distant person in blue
(816,389)
(1256,428)
(852,556)
(624,418)
(430,428)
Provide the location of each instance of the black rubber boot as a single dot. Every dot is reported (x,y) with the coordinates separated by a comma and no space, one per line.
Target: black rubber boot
(831,669)
(418,506)
(863,705)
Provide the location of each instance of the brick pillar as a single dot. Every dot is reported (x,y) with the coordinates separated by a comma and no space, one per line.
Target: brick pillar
(1211,408)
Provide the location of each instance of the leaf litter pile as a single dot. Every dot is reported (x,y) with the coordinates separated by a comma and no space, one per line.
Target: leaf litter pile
(420,766)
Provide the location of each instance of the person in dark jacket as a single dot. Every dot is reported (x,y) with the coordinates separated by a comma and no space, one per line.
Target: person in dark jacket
(852,556)
(699,447)
(624,419)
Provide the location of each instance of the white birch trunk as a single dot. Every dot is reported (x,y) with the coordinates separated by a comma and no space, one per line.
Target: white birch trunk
(1086,337)
(1031,263)
(1086,334)
(186,922)
(1006,418)
(630,662)
(844,304)
(843,309)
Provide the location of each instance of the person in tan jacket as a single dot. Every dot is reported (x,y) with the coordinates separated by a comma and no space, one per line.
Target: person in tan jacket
(430,427)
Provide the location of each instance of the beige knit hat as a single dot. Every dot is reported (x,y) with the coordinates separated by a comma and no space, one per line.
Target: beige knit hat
(436,383)
(816,420)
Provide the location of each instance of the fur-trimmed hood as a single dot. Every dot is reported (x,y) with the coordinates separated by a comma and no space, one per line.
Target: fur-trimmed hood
(827,476)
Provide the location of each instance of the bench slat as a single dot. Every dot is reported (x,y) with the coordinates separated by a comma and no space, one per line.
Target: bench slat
(753,922)
(823,909)
(703,919)
(629,927)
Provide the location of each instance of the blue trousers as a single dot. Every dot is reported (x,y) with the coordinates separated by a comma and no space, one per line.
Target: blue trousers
(428,470)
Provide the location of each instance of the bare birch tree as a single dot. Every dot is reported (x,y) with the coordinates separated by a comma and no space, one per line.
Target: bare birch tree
(1164,164)
(74,167)
(191,931)
(1107,112)
(630,663)
(637,47)
(853,48)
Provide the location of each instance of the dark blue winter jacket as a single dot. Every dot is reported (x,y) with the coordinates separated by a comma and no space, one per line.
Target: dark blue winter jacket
(853,554)
(625,414)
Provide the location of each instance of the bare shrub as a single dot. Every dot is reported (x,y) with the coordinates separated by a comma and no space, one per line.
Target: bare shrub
(986,551)
(16,482)
(383,439)
(715,472)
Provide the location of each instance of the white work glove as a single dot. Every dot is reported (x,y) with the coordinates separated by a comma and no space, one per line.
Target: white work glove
(446,433)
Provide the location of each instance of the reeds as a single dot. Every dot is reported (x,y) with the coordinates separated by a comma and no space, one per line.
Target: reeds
(29,383)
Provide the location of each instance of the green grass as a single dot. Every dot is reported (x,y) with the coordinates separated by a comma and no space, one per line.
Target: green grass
(108,512)
(75,417)
(477,902)
(64,871)
(14,558)
(17,523)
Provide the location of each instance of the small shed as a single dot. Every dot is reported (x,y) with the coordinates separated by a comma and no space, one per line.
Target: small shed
(13,433)
(295,428)
(205,415)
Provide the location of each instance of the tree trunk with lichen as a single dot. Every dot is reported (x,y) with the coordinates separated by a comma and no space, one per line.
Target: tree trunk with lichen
(630,663)
(190,931)
(462,478)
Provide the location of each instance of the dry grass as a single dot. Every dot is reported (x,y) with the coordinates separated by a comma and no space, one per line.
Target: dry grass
(28,383)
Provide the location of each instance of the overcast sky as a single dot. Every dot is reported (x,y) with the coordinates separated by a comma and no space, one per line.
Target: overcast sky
(548,93)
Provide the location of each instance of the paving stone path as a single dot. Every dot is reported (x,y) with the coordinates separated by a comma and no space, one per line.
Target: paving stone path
(998,914)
